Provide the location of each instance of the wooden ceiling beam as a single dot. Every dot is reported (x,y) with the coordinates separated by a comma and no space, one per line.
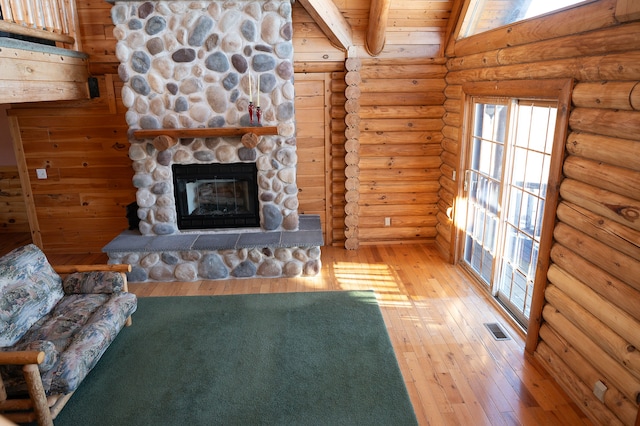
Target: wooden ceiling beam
(376,32)
(331,21)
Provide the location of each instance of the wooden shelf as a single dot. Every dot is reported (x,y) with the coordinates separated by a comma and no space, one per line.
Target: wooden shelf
(204,132)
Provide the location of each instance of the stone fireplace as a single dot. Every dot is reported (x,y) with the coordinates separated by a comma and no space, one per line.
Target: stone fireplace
(216,189)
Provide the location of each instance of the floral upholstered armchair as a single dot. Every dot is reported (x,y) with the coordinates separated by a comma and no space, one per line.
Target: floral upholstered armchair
(53,330)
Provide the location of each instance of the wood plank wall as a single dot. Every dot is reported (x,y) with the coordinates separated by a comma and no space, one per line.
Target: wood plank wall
(13,212)
(83,146)
(591,319)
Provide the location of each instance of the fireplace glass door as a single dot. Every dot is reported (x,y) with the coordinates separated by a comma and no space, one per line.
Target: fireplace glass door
(216,195)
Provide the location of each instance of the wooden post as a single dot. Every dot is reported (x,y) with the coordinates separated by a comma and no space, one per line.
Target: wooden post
(25,181)
(36,392)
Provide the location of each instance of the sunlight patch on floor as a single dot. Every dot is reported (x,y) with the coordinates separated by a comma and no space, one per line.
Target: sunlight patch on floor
(371,276)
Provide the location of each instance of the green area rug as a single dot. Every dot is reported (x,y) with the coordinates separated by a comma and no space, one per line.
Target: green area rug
(320,358)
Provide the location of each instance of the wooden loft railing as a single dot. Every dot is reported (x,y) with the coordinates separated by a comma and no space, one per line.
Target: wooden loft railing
(40,52)
(54,20)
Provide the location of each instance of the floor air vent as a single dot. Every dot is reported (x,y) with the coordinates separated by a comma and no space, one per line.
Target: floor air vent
(497,331)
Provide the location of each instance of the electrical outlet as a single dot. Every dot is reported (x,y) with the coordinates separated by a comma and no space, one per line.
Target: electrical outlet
(41,173)
(599,389)
(387,221)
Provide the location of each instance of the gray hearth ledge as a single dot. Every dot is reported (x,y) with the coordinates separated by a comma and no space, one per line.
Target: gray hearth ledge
(224,254)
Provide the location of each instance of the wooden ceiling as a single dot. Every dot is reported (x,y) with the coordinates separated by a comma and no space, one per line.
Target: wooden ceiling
(386,28)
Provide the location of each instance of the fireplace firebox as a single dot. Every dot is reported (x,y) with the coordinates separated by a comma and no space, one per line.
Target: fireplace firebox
(212,196)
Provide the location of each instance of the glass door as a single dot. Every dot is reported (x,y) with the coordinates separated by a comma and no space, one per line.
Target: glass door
(483,185)
(506,179)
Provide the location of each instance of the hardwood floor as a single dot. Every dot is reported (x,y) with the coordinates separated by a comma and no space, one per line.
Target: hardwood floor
(455,372)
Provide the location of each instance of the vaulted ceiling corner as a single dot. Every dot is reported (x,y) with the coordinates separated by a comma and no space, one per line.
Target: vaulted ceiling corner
(331,21)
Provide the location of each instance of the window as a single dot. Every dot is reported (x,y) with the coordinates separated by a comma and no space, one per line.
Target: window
(485,15)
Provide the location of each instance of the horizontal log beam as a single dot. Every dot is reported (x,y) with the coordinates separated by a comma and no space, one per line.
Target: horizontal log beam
(614,123)
(620,66)
(609,287)
(614,372)
(616,207)
(620,180)
(625,326)
(613,234)
(608,258)
(621,152)
(577,376)
(624,95)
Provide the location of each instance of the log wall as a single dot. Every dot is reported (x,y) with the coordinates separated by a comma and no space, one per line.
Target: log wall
(590,322)
(401,109)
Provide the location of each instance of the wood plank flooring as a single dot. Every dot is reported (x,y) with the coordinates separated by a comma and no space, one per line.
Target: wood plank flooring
(455,372)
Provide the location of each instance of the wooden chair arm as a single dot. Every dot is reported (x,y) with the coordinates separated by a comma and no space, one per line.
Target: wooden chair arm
(21,357)
(69,269)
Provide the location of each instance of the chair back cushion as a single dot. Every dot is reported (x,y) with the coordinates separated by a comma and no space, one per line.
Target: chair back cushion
(29,289)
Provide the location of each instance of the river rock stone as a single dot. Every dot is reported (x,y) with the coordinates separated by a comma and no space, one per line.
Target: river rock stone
(185,272)
(182,104)
(184,55)
(155,24)
(142,180)
(191,85)
(164,229)
(145,10)
(149,122)
(239,62)
(270,268)
(245,269)
(292,269)
(272,217)
(218,62)
(137,274)
(212,267)
(263,63)
(200,31)
(139,85)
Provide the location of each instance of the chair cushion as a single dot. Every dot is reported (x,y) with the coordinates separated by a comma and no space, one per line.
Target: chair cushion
(87,345)
(93,282)
(29,288)
(80,328)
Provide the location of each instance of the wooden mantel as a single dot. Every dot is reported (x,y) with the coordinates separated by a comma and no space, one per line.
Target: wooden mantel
(204,132)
